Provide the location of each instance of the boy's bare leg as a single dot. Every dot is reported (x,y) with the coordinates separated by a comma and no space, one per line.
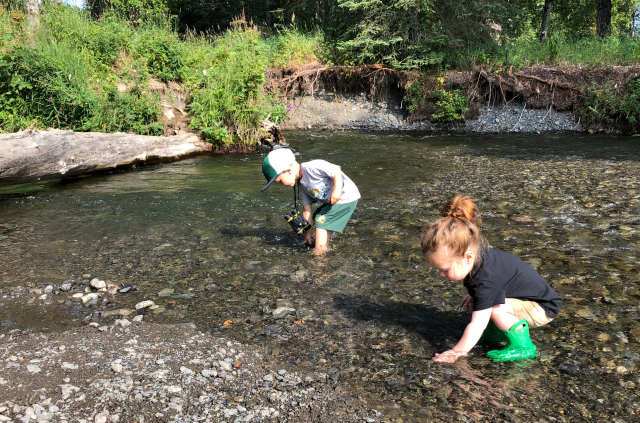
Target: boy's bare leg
(322,240)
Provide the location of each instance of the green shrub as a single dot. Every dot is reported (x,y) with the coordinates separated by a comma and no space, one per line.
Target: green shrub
(449,106)
(161,51)
(292,48)
(630,107)
(604,105)
(45,86)
(134,111)
(230,101)
(414,97)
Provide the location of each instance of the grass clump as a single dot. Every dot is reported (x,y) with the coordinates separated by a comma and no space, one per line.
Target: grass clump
(561,50)
(135,111)
(291,48)
(605,105)
(45,85)
(231,100)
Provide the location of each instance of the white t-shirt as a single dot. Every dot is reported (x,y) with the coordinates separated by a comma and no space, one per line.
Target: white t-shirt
(316,183)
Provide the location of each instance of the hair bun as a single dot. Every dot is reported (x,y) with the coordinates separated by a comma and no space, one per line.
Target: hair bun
(462,208)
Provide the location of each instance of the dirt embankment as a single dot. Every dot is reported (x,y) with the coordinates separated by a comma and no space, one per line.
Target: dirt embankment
(531,99)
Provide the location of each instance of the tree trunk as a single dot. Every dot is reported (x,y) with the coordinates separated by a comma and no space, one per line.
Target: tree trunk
(603,17)
(546,16)
(33,13)
(31,156)
(267,15)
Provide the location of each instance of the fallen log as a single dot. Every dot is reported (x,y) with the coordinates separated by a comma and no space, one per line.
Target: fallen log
(30,156)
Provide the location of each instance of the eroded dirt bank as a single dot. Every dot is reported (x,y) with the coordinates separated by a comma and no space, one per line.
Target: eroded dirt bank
(529,100)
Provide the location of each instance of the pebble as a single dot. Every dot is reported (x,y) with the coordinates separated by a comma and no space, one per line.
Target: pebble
(97,283)
(69,366)
(33,368)
(144,304)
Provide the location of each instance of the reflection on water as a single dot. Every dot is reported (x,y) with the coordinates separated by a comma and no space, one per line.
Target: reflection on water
(371,313)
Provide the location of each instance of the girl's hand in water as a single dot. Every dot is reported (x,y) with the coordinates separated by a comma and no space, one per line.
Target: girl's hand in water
(467,303)
(449,356)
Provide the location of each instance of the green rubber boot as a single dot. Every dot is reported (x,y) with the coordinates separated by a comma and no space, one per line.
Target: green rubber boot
(519,345)
(492,334)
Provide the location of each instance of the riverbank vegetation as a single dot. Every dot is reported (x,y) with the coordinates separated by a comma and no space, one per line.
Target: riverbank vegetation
(90,69)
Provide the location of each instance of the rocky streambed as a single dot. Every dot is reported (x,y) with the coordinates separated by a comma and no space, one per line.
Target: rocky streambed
(127,372)
(339,112)
(195,243)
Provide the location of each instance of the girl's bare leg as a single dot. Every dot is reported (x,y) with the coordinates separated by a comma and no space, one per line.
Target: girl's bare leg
(503,316)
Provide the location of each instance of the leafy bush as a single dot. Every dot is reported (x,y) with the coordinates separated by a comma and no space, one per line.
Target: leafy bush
(162,53)
(44,85)
(231,96)
(414,97)
(134,111)
(604,105)
(449,106)
(292,48)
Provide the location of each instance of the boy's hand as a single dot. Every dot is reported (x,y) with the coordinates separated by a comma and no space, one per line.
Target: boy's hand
(449,356)
(335,197)
(467,303)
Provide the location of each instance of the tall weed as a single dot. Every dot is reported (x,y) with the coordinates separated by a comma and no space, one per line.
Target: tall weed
(292,48)
(161,51)
(44,85)
(134,111)
(230,101)
(104,39)
(562,50)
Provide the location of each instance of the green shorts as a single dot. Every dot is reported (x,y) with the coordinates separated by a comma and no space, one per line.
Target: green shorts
(333,218)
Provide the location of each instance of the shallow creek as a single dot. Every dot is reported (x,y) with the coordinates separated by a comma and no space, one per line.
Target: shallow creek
(199,239)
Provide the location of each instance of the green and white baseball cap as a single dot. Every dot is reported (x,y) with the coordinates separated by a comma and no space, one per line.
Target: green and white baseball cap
(275,163)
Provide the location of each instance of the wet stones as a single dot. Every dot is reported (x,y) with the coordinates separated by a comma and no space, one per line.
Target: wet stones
(98,284)
(144,304)
(576,368)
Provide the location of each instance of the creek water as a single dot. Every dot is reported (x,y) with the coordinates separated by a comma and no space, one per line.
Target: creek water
(199,239)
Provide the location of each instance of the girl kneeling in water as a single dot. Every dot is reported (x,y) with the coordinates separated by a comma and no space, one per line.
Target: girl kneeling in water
(506,295)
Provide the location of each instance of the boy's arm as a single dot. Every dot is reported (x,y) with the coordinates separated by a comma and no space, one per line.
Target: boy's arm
(306,213)
(470,337)
(337,187)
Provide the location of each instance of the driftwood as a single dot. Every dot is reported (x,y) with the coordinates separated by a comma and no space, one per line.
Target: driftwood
(30,156)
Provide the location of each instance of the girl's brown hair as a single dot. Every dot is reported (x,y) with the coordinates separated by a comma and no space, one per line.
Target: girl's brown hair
(458,229)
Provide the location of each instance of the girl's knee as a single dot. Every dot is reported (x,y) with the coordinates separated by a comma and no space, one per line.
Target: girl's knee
(501,310)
